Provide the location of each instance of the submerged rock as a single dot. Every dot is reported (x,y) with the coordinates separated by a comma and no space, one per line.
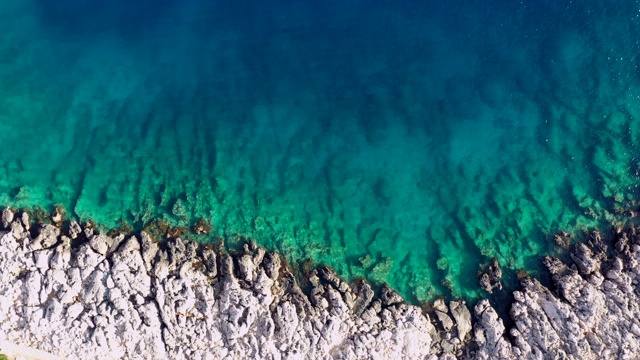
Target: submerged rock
(129,297)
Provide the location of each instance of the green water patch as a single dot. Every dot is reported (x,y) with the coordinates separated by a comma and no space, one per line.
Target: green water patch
(408,153)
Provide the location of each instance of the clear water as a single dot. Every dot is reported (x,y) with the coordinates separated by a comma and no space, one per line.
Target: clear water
(402,141)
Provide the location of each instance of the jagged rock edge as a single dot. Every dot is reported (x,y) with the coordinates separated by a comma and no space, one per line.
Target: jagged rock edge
(581,318)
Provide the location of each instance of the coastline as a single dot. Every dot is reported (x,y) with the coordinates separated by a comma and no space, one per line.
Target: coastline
(76,293)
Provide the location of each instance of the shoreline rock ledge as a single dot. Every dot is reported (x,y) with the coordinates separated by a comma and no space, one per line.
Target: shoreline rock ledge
(78,294)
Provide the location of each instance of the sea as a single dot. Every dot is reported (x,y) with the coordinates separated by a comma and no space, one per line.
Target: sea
(403,142)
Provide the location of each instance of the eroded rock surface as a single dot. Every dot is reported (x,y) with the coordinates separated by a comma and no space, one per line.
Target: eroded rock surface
(593,312)
(79,294)
(128,297)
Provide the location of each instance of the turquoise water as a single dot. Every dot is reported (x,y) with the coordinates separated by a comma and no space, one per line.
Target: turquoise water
(402,141)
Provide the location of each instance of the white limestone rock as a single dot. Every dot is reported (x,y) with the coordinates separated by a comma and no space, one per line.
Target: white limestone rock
(47,237)
(462,317)
(74,230)
(7,217)
(130,298)
(101,243)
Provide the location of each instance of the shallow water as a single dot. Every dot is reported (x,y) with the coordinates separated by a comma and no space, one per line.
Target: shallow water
(402,141)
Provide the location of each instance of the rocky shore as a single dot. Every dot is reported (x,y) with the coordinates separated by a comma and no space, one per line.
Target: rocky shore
(79,294)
